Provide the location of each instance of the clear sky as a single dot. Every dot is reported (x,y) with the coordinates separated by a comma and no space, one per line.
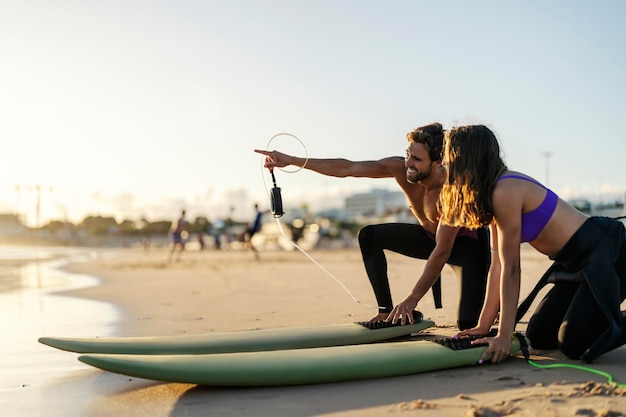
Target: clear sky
(138,108)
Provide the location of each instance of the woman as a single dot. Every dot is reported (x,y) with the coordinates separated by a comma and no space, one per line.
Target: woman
(581,313)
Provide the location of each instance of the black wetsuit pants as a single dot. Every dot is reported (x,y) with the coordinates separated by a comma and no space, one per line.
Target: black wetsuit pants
(470,259)
(571,316)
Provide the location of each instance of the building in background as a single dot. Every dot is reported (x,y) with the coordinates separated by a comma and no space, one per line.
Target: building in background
(376,203)
(11,226)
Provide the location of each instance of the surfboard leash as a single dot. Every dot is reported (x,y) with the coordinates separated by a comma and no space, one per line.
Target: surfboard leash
(526,352)
(276,205)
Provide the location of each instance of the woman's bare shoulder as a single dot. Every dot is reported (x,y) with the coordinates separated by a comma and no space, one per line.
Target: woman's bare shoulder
(507,195)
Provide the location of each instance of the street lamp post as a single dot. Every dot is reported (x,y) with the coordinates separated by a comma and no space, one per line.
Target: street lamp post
(547,155)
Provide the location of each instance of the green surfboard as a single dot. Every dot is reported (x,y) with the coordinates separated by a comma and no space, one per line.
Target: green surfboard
(243,341)
(294,367)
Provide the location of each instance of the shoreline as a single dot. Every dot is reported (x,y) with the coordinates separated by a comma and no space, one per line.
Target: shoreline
(215,291)
(288,284)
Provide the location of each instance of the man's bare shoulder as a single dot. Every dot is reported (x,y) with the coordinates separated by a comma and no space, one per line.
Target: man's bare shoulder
(393,161)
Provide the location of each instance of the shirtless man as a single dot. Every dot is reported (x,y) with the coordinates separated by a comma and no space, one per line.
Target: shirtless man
(420,175)
(178,232)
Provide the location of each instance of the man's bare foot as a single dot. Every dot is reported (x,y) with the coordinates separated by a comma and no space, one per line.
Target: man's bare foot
(380,317)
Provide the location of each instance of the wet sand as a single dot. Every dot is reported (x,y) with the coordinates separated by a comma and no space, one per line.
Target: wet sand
(225,291)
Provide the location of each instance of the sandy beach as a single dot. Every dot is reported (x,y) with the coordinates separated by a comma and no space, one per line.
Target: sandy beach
(215,291)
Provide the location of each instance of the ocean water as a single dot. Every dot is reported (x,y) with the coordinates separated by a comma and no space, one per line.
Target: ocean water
(32,305)
(24,268)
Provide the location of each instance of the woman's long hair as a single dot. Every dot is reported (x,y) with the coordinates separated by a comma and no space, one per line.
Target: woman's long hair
(472,156)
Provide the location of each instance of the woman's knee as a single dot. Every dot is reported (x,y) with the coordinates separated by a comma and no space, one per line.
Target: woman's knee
(540,335)
(569,344)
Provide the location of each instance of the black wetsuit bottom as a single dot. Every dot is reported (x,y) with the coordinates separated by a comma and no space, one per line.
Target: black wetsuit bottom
(470,259)
(570,317)
(554,325)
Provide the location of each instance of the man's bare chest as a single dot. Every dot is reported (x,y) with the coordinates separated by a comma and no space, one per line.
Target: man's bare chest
(425,204)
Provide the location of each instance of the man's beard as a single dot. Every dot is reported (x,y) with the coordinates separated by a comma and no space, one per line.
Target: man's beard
(419,176)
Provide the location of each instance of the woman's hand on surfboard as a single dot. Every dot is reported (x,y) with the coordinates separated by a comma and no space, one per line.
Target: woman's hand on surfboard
(498,350)
(498,347)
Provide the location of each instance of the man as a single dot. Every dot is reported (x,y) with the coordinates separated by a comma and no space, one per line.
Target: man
(178,235)
(420,175)
(252,229)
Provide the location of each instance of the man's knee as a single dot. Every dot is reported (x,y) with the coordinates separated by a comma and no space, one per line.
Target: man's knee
(366,234)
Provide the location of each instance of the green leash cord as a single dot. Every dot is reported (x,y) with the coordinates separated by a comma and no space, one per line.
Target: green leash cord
(526,353)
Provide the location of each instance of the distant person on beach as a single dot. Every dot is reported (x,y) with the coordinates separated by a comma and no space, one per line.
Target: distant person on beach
(178,235)
(252,229)
(420,175)
(217,229)
(201,242)
(580,315)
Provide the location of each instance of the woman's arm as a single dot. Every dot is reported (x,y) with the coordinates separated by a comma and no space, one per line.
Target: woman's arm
(507,207)
(492,299)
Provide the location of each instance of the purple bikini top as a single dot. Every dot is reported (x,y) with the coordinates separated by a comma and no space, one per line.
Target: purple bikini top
(535,220)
